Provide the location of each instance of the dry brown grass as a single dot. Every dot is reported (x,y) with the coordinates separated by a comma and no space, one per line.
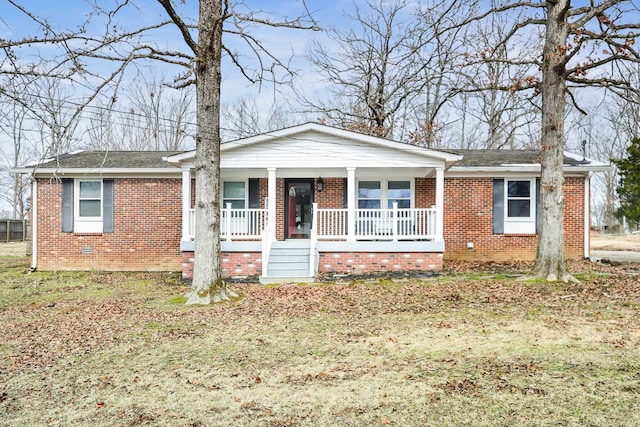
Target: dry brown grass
(18,249)
(121,349)
(615,242)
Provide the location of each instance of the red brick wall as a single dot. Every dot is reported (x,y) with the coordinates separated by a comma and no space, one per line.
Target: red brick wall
(359,263)
(425,192)
(468,217)
(332,194)
(250,263)
(280,208)
(147,229)
(574,217)
(233,264)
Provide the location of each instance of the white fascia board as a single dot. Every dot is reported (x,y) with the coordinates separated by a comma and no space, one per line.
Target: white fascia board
(463,171)
(177,159)
(343,134)
(582,169)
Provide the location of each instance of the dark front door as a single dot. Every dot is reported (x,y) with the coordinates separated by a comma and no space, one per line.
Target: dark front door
(298,207)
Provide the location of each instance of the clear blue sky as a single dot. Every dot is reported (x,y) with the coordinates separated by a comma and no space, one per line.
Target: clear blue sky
(283,43)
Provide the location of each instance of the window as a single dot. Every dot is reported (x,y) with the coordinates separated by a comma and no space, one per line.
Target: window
(376,195)
(373,194)
(90,199)
(519,199)
(87,205)
(400,192)
(369,195)
(515,206)
(234,193)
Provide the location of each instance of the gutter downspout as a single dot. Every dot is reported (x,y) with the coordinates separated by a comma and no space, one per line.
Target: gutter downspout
(587,215)
(34,224)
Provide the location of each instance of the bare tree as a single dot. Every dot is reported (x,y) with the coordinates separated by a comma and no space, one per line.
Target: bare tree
(503,115)
(155,120)
(244,118)
(166,121)
(98,62)
(55,117)
(14,187)
(441,53)
(584,47)
(376,70)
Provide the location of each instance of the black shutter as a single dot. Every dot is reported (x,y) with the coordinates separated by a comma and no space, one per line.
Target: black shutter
(537,205)
(107,206)
(67,205)
(254,193)
(345,194)
(254,203)
(498,206)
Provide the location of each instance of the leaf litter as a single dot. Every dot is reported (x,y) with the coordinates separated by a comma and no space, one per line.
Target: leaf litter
(366,351)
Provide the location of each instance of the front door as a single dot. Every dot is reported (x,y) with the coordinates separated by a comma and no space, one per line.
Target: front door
(298,207)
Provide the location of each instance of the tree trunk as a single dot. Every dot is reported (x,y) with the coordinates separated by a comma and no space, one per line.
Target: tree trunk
(550,258)
(208,284)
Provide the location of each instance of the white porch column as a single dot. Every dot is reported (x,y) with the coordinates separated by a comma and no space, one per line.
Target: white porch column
(271,198)
(351,204)
(186,202)
(440,205)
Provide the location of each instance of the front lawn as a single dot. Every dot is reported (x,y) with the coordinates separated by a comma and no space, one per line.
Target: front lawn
(464,348)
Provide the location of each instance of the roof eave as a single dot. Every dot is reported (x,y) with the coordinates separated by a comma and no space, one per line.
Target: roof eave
(36,171)
(581,168)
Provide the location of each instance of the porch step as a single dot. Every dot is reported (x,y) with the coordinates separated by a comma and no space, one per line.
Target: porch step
(288,262)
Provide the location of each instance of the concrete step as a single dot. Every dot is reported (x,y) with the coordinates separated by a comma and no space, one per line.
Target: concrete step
(288,262)
(277,280)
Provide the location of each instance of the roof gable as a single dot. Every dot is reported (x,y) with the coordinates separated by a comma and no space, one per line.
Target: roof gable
(316,145)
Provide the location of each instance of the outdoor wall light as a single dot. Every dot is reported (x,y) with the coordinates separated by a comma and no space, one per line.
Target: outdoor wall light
(319,184)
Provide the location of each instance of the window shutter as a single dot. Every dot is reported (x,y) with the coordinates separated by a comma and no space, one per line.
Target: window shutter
(345,196)
(67,205)
(537,205)
(254,193)
(498,206)
(107,206)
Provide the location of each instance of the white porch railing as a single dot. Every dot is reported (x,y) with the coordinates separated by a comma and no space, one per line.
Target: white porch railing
(236,223)
(378,224)
(331,224)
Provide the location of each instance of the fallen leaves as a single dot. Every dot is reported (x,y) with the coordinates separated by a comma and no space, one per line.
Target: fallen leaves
(368,351)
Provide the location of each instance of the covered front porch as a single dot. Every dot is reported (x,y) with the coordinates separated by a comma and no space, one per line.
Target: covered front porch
(296,232)
(294,201)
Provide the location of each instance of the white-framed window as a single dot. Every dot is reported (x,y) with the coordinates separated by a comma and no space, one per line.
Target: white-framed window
(88,206)
(234,192)
(376,194)
(519,202)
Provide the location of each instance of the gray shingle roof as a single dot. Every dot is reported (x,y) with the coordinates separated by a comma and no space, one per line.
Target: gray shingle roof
(153,159)
(111,159)
(492,158)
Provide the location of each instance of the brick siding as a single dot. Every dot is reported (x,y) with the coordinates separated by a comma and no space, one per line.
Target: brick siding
(359,263)
(147,229)
(468,217)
